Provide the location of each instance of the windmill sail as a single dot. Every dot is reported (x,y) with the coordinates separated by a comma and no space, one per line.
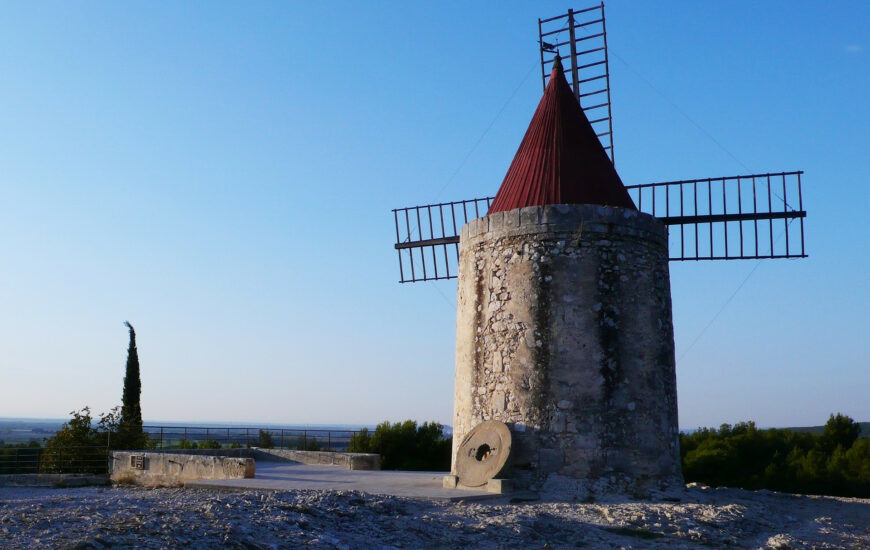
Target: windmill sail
(580,37)
(724,218)
(729,218)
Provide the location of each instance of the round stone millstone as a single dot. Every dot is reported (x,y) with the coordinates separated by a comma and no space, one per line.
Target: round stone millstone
(483,453)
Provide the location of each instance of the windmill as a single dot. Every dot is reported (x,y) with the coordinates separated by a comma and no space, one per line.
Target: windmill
(711,218)
(564,329)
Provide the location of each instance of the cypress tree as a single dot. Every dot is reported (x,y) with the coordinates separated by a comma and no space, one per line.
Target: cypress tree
(130,425)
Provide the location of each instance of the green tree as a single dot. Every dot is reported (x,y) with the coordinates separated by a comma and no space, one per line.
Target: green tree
(407,446)
(20,458)
(857,470)
(834,462)
(840,430)
(360,442)
(77,447)
(307,443)
(264,440)
(130,433)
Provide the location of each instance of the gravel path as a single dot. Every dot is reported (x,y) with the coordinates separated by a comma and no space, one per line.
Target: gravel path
(92,517)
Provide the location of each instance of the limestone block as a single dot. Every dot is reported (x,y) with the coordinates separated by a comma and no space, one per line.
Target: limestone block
(499,486)
(449,481)
(497,363)
(499,401)
(530,216)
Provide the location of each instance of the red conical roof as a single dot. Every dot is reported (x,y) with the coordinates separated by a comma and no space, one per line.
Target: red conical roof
(560,160)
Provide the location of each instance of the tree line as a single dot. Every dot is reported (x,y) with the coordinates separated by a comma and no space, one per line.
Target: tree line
(835,462)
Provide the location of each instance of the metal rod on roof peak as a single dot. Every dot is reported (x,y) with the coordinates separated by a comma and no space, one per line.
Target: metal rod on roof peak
(574,75)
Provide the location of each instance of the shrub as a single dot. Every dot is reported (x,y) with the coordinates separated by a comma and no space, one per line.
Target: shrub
(307,443)
(20,458)
(77,447)
(360,442)
(406,446)
(264,440)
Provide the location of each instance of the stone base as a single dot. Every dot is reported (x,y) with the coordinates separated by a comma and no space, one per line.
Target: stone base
(564,333)
(495,486)
(560,487)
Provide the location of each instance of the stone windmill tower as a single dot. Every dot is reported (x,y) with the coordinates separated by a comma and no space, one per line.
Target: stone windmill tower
(564,325)
(564,329)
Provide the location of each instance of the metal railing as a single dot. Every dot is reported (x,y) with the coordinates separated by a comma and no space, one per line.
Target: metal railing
(54,460)
(94,459)
(182,437)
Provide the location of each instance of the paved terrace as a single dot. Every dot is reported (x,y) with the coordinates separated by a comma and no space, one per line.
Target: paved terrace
(286,476)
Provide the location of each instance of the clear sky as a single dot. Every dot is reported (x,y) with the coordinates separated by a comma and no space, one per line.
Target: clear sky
(222,175)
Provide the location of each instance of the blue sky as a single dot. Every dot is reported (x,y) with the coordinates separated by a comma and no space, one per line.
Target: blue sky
(222,175)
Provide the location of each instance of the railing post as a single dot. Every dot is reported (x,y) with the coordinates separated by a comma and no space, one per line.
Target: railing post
(304,440)
(329,440)
(282,438)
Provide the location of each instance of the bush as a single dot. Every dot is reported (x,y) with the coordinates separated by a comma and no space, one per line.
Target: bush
(20,458)
(406,446)
(78,447)
(307,443)
(360,442)
(264,440)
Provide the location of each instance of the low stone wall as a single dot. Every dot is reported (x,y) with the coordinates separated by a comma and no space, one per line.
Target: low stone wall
(351,461)
(241,452)
(52,480)
(160,469)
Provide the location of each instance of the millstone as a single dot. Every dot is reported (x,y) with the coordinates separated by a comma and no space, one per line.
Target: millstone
(483,453)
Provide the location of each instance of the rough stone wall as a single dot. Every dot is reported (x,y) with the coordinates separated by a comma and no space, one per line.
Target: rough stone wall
(564,332)
(176,468)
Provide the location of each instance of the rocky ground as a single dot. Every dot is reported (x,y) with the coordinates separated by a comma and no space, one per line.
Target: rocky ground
(97,517)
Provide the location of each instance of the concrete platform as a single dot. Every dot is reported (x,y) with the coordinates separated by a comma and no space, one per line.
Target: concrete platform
(287,476)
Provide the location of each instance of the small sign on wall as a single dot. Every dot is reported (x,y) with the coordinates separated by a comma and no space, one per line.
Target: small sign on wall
(137,462)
